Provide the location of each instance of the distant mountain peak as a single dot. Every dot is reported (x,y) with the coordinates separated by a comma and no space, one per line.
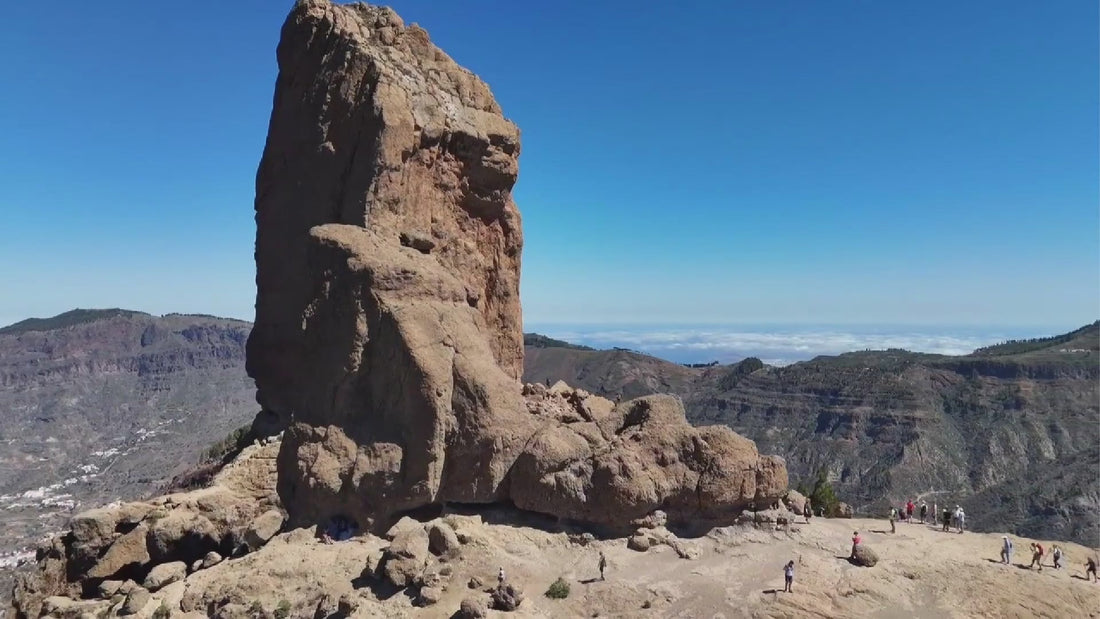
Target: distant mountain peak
(67,319)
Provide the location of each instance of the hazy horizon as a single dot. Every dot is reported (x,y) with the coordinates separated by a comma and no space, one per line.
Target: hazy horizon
(782,344)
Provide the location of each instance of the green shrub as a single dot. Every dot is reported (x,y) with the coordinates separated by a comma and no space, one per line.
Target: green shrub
(162,612)
(232,443)
(559,590)
(821,494)
(282,611)
(255,609)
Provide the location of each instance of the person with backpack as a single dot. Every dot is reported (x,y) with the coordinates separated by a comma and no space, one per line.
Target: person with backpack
(923,512)
(909,511)
(1056,553)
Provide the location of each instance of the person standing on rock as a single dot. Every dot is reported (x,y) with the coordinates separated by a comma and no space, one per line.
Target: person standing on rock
(856,540)
(1056,554)
(893,519)
(603,564)
(788,576)
(1006,550)
(923,512)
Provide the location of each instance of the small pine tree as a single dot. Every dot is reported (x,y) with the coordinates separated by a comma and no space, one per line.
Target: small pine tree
(821,494)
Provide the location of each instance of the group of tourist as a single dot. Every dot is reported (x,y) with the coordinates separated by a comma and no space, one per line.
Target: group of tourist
(956,517)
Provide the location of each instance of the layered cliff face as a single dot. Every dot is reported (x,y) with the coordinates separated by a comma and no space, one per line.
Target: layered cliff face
(388,336)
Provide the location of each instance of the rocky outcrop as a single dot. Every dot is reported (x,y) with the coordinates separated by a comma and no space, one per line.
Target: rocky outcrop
(388,333)
(597,462)
(388,250)
(153,541)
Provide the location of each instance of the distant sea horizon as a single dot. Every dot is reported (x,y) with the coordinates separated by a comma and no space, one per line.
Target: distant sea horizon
(783,344)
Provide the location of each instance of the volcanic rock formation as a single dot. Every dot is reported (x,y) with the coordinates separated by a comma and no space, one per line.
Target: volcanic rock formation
(388,336)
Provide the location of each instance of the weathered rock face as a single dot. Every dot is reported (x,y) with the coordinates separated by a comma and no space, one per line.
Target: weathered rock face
(597,462)
(388,332)
(388,246)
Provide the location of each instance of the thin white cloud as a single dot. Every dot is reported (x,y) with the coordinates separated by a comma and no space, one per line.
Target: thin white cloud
(777,347)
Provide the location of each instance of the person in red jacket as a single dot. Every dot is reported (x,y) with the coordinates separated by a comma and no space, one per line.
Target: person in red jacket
(909,511)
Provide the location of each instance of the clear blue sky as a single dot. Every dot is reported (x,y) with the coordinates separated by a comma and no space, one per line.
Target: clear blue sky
(802,161)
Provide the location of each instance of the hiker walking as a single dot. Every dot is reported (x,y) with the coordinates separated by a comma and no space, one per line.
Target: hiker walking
(807,511)
(909,511)
(1090,568)
(1006,550)
(1036,555)
(923,512)
(603,564)
(788,576)
(960,518)
(1056,553)
(893,519)
(946,519)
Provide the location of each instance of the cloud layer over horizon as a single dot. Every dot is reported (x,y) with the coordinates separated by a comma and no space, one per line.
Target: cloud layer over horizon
(775,346)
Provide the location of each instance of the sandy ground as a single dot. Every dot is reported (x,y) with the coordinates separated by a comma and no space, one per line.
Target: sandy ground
(922,572)
(737,572)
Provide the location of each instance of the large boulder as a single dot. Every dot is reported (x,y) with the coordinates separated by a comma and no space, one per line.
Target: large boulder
(129,550)
(795,501)
(263,528)
(136,600)
(472,608)
(165,574)
(643,456)
(506,597)
(442,539)
(864,556)
(403,561)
